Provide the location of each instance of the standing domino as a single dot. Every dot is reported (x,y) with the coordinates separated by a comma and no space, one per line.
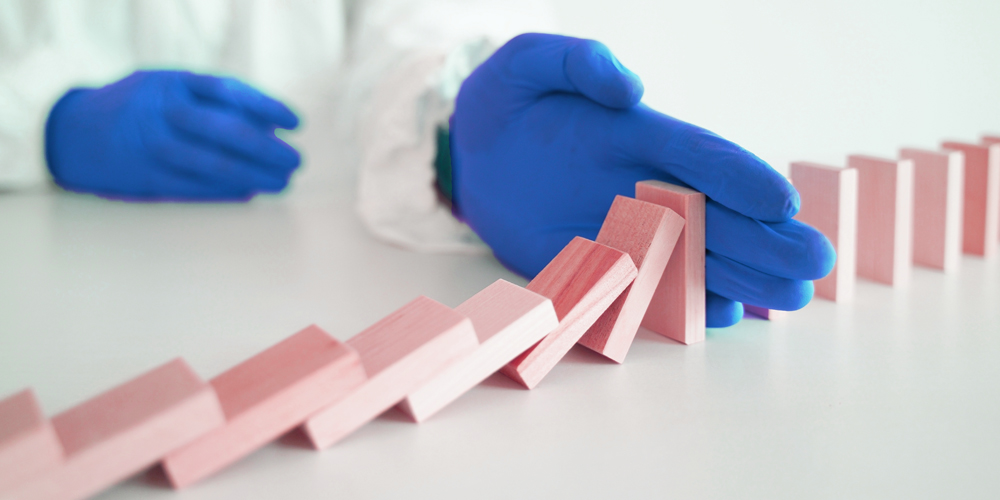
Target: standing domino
(990,140)
(830,204)
(677,309)
(508,320)
(648,233)
(938,191)
(582,281)
(981,211)
(885,218)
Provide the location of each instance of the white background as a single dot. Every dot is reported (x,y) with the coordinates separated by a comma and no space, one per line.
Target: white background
(894,396)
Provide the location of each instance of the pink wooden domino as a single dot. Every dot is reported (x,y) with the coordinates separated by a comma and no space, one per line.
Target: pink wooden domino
(28,443)
(126,430)
(648,233)
(400,353)
(981,207)
(267,396)
(764,313)
(938,190)
(885,218)
(508,320)
(990,140)
(582,281)
(830,204)
(677,309)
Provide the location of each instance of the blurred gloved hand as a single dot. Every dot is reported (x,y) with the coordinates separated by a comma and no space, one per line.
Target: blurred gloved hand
(169,135)
(548,130)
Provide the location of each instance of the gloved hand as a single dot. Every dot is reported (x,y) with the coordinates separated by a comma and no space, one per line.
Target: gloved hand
(548,130)
(169,135)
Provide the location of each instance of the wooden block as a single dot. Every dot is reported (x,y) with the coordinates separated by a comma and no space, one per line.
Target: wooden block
(764,313)
(267,396)
(126,430)
(582,281)
(938,191)
(400,353)
(647,233)
(508,320)
(885,219)
(989,140)
(830,204)
(677,309)
(28,443)
(981,207)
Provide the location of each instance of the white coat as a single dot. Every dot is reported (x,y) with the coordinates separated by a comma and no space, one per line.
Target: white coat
(400,62)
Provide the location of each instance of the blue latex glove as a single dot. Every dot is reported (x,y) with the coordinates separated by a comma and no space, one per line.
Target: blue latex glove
(169,135)
(548,130)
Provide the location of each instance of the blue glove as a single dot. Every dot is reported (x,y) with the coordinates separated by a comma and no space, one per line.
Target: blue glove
(168,135)
(548,130)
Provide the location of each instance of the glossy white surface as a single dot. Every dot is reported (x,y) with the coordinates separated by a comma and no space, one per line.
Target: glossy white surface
(894,396)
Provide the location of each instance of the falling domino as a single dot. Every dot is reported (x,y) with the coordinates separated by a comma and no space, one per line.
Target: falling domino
(885,219)
(981,210)
(989,140)
(677,309)
(648,233)
(937,207)
(508,320)
(582,281)
(400,353)
(28,443)
(830,204)
(126,430)
(267,396)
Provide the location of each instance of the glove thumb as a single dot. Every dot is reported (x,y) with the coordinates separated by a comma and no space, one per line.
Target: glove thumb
(540,63)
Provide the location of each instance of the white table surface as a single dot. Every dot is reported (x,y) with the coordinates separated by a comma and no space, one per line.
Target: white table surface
(894,396)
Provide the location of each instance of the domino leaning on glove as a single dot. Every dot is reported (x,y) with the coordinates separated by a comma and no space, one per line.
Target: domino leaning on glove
(549,129)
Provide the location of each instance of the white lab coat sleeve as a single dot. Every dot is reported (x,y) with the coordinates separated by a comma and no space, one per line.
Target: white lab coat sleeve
(44,50)
(407,60)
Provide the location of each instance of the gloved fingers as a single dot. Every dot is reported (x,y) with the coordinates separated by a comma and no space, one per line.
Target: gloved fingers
(228,130)
(217,168)
(234,93)
(706,162)
(735,281)
(787,249)
(721,312)
(541,63)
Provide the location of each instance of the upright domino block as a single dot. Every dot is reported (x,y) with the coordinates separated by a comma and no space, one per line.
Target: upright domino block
(885,218)
(267,396)
(648,233)
(508,320)
(830,204)
(677,309)
(126,430)
(582,281)
(400,353)
(981,210)
(938,191)
(28,443)
(990,140)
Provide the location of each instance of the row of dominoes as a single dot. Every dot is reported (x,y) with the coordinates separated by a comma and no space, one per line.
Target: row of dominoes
(649,254)
(884,216)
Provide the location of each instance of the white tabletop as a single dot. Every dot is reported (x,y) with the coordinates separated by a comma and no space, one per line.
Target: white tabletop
(896,395)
